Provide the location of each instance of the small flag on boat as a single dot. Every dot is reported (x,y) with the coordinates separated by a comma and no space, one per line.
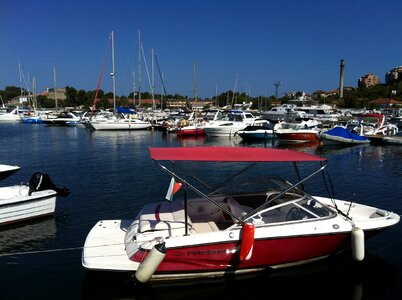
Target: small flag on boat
(173,188)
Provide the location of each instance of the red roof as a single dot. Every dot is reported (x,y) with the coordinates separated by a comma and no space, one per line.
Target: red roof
(385,101)
(231,154)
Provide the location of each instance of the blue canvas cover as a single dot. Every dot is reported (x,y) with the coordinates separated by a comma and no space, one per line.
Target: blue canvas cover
(125,110)
(347,134)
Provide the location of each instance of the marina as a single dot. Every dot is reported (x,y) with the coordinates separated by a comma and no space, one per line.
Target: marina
(110,176)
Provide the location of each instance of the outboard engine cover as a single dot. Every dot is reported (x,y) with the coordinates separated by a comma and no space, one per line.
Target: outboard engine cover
(41,181)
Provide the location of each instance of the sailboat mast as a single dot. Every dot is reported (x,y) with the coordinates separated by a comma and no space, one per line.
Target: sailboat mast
(34,100)
(139,68)
(234,91)
(19,69)
(55,86)
(153,80)
(134,88)
(195,85)
(113,76)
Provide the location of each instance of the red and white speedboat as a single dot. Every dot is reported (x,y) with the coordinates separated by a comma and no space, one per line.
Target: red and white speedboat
(218,228)
(298,135)
(190,130)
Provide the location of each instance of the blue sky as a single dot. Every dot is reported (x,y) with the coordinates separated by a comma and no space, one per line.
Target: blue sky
(299,43)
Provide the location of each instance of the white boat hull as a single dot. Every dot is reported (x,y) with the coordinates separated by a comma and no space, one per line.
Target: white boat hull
(215,130)
(336,140)
(119,125)
(16,205)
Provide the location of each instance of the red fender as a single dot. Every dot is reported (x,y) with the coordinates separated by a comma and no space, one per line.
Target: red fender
(247,241)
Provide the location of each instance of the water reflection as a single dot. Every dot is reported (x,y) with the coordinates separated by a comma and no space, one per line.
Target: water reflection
(340,149)
(27,236)
(338,277)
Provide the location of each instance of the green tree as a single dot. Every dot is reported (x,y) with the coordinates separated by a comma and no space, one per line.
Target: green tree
(71,95)
(82,98)
(11,92)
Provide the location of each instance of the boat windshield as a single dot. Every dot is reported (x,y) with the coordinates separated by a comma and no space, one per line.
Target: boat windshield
(290,207)
(280,202)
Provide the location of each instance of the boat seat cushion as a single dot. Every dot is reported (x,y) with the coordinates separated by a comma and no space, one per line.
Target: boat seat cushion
(163,216)
(238,209)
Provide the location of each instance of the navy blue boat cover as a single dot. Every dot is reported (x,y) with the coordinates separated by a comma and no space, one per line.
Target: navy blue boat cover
(347,134)
(125,110)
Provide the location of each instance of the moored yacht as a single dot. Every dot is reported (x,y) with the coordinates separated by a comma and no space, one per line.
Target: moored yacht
(230,122)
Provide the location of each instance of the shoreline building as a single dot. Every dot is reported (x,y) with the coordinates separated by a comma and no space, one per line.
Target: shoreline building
(368,80)
(394,75)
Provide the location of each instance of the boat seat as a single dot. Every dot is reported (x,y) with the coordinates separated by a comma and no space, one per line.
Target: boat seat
(205,227)
(238,209)
(163,216)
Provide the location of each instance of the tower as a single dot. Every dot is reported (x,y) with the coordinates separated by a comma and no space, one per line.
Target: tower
(277,84)
(341,79)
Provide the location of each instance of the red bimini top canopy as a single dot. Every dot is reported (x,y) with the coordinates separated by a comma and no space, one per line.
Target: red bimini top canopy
(231,154)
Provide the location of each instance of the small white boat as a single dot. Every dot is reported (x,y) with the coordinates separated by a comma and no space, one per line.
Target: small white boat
(7,170)
(11,114)
(244,227)
(28,201)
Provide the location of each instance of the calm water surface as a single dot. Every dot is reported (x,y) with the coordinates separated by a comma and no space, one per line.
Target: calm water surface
(110,176)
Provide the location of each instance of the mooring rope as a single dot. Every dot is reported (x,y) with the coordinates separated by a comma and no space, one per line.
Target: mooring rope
(56,250)
(41,251)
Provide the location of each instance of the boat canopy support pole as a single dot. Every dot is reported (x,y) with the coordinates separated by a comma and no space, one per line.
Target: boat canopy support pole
(186,184)
(265,205)
(185,211)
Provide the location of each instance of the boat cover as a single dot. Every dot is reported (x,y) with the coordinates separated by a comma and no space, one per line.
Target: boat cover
(125,110)
(347,134)
(231,154)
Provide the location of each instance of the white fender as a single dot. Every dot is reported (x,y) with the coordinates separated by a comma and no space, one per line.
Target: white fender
(358,243)
(148,267)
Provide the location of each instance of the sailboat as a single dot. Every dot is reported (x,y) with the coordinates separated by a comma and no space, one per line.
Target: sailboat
(32,117)
(123,121)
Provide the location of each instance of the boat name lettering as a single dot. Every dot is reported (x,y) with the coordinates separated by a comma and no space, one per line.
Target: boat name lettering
(198,252)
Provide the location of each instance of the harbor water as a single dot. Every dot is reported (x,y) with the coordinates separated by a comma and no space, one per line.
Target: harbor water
(111,176)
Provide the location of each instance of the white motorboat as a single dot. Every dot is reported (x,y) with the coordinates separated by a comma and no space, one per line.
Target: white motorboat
(124,123)
(64,118)
(277,113)
(242,228)
(230,122)
(7,170)
(28,201)
(263,131)
(11,114)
